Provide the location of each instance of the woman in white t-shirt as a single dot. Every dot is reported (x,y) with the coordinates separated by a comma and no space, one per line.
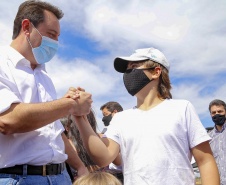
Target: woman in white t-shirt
(157,137)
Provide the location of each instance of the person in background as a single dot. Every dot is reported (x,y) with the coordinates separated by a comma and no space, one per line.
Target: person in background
(109,109)
(33,147)
(97,178)
(158,136)
(217,110)
(75,138)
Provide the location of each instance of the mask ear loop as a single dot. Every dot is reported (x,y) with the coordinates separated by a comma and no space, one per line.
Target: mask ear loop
(38,33)
(36,29)
(29,42)
(27,37)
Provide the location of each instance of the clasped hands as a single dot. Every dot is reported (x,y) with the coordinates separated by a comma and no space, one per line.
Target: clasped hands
(82,101)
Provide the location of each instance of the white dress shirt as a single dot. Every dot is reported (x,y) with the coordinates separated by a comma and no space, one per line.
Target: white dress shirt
(20,83)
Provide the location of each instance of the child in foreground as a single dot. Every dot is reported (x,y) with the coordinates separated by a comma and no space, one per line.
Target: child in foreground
(97,178)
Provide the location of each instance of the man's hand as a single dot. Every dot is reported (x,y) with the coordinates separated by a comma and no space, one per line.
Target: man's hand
(72,93)
(82,101)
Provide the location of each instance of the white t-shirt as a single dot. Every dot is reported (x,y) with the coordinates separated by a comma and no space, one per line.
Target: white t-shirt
(155,144)
(19,83)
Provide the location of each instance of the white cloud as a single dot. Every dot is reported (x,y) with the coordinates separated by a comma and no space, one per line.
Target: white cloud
(191,92)
(185,30)
(79,72)
(194,93)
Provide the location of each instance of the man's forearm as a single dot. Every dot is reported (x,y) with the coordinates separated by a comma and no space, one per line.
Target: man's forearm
(25,117)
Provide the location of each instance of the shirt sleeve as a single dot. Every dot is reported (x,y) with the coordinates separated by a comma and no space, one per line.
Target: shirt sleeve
(112,130)
(197,134)
(7,94)
(59,126)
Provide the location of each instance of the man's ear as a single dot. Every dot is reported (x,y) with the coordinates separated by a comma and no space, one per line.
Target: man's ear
(156,73)
(26,27)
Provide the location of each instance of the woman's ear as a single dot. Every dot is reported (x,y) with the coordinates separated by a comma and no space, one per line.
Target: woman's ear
(26,27)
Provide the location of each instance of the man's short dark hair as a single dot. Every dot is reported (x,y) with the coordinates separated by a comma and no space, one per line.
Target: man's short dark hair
(111,106)
(217,102)
(33,10)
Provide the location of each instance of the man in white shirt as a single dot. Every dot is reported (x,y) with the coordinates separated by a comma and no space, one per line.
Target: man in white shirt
(157,137)
(33,147)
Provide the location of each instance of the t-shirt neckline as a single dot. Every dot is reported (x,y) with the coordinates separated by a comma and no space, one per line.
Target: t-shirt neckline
(160,104)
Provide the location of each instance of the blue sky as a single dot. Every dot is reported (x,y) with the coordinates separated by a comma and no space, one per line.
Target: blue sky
(190,33)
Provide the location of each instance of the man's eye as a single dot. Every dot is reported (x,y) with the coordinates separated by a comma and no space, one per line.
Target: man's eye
(51,35)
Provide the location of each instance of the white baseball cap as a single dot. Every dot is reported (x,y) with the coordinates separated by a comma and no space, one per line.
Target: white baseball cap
(120,63)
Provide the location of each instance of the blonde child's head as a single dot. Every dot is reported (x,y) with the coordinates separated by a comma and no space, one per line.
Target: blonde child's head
(97,178)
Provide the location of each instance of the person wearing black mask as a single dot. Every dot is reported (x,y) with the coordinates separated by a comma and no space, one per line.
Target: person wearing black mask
(217,110)
(108,111)
(158,136)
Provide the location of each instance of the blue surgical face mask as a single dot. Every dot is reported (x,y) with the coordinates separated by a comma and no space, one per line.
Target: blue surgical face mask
(46,51)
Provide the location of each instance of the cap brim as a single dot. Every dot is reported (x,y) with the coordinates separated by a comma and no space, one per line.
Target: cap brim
(121,63)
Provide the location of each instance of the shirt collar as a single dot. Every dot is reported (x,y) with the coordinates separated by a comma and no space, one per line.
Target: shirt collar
(223,127)
(17,59)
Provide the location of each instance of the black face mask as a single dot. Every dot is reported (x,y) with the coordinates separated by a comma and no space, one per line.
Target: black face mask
(219,119)
(107,120)
(135,80)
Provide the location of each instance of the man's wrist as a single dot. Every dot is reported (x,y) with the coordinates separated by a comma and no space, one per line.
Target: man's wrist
(72,105)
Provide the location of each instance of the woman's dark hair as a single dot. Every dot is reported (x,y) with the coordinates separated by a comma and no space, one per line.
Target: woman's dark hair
(74,135)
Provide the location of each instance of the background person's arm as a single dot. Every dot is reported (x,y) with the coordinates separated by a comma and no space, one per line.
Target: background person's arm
(25,117)
(73,159)
(102,152)
(206,164)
